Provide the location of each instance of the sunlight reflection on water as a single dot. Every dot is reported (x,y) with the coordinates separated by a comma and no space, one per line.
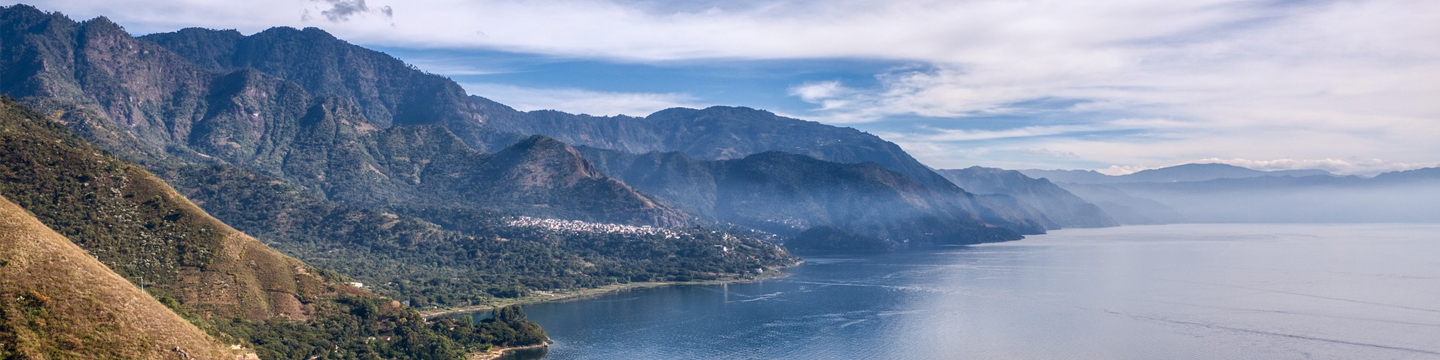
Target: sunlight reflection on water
(1143,292)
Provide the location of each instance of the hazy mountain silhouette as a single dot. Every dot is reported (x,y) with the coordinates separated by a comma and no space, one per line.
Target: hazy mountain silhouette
(1059,206)
(788,193)
(1178,173)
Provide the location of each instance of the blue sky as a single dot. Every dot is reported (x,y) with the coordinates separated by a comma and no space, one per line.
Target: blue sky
(1117,85)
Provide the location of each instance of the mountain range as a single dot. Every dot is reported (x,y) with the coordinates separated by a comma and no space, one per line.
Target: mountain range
(1211,193)
(1060,207)
(148,104)
(132,225)
(1178,173)
(362,128)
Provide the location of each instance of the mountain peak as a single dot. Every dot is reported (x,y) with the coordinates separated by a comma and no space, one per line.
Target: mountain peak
(738,110)
(389,91)
(228,33)
(309,33)
(542,161)
(539,142)
(1192,172)
(103,24)
(22,9)
(549,173)
(747,112)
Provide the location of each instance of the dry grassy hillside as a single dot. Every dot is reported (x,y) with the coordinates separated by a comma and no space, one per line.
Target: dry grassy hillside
(57,302)
(246,278)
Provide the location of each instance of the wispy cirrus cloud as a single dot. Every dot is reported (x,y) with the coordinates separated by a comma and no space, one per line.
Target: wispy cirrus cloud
(934,134)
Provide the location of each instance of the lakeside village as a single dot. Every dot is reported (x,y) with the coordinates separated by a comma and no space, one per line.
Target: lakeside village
(589,227)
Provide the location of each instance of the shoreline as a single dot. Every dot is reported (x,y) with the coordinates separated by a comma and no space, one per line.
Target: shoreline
(587,293)
(498,351)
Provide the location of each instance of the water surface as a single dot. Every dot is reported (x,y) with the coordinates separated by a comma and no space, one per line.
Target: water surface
(1141,292)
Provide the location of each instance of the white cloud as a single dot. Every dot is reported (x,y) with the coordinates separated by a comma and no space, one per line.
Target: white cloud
(580,101)
(817,92)
(1342,79)
(932,134)
(1161,144)
(1117,170)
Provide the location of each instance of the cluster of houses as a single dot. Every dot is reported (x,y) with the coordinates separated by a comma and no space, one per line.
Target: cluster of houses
(589,227)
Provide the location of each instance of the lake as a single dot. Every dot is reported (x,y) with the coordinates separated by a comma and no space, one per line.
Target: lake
(1136,292)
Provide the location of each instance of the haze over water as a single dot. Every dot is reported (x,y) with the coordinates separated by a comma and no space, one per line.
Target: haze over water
(1137,292)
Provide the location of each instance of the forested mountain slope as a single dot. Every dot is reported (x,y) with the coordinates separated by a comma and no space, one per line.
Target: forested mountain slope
(1056,204)
(788,193)
(57,302)
(234,287)
(150,105)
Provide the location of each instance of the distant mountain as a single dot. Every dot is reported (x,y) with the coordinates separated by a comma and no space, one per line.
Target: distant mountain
(1126,209)
(1015,209)
(1393,197)
(1203,172)
(1057,205)
(788,193)
(715,133)
(1229,194)
(58,302)
(1178,173)
(1431,174)
(1070,176)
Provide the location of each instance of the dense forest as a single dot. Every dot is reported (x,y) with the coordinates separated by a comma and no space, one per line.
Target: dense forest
(377,328)
(830,238)
(447,257)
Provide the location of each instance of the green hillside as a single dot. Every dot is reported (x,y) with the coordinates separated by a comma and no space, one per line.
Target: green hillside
(227,283)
